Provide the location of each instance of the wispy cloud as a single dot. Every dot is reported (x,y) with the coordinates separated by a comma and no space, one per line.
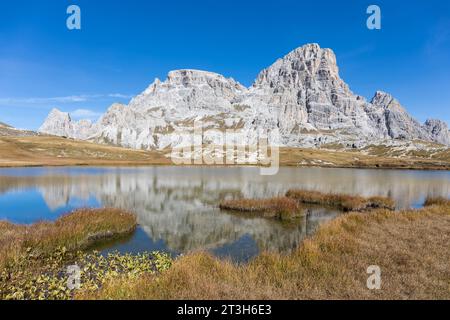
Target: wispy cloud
(119,95)
(63,99)
(85,114)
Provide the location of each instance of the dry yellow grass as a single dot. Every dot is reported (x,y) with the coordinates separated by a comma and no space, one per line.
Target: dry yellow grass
(441,201)
(281,208)
(56,151)
(341,201)
(356,159)
(410,247)
(73,231)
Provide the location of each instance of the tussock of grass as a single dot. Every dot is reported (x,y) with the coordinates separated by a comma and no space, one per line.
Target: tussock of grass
(341,201)
(280,208)
(73,231)
(440,201)
(410,247)
(34,259)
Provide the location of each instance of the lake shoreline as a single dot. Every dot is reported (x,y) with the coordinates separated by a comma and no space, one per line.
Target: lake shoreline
(333,263)
(33,258)
(50,151)
(144,165)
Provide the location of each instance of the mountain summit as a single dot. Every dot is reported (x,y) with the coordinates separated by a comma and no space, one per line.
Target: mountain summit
(301,95)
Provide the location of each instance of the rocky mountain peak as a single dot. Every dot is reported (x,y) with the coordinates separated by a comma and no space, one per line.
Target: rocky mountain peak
(303,67)
(384,100)
(301,95)
(191,77)
(59,114)
(186,90)
(60,124)
(57,123)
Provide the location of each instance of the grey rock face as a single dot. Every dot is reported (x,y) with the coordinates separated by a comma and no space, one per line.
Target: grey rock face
(57,123)
(301,95)
(60,124)
(438,131)
(393,120)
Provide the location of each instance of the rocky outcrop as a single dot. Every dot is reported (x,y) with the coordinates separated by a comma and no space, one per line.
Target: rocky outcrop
(438,131)
(60,124)
(57,123)
(392,120)
(301,95)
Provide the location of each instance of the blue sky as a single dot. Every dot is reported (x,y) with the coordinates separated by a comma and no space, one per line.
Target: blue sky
(124,45)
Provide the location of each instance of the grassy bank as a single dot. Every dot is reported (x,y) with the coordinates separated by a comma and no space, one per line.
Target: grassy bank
(281,208)
(44,150)
(410,247)
(74,231)
(34,258)
(57,151)
(430,201)
(372,158)
(341,201)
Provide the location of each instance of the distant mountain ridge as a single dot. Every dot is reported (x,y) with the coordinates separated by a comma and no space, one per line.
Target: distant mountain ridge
(301,95)
(4,125)
(7,130)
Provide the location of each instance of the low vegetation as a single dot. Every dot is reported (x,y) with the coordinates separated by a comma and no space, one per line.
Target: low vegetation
(341,201)
(49,277)
(440,201)
(410,247)
(44,150)
(384,158)
(34,258)
(74,231)
(280,208)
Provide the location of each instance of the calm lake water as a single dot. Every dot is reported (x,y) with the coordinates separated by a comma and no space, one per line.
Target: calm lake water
(177,206)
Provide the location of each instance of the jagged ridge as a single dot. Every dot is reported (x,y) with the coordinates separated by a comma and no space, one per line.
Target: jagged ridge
(301,95)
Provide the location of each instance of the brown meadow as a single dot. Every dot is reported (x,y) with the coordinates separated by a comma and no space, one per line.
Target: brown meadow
(410,247)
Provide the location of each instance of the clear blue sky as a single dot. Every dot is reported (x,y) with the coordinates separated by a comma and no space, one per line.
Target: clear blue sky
(124,45)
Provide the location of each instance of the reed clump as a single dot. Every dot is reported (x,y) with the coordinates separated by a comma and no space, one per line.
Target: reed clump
(282,208)
(73,231)
(341,201)
(439,201)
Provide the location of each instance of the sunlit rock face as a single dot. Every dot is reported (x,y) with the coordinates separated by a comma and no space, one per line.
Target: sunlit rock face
(301,95)
(438,131)
(393,120)
(61,124)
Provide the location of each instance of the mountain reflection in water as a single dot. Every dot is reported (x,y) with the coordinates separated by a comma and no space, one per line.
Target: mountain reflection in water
(177,206)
